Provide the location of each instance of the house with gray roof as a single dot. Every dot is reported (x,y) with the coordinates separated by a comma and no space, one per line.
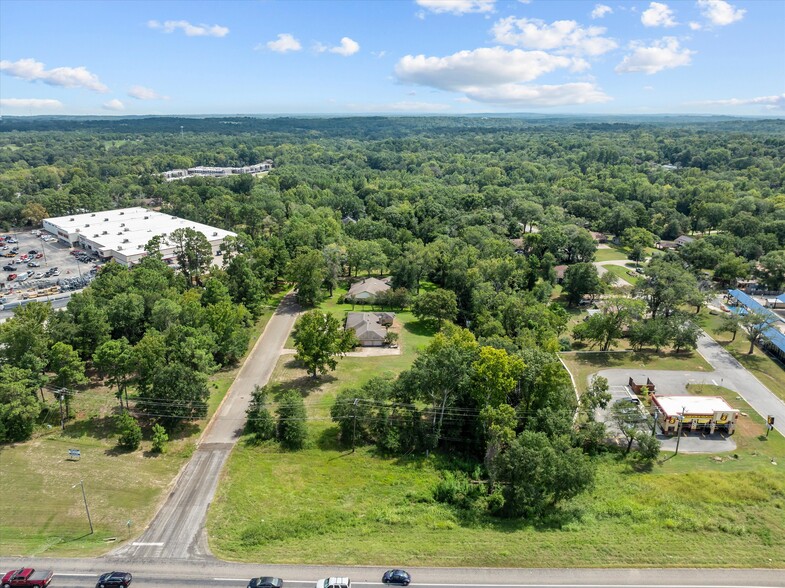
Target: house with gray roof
(369,327)
(367,289)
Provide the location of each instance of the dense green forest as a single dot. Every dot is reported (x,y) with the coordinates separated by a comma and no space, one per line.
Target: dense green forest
(482,210)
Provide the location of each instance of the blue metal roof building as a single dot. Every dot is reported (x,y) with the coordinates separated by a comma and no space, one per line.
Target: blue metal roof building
(773,340)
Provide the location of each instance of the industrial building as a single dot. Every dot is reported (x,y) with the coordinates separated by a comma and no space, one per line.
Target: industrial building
(122,234)
(707,413)
(216,172)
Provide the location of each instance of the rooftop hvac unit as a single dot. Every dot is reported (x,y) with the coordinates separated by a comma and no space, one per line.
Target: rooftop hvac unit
(119,247)
(126,240)
(120,233)
(106,219)
(122,212)
(145,218)
(72,218)
(95,236)
(122,224)
(105,233)
(92,214)
(87,225)
(215,233)
(126,229)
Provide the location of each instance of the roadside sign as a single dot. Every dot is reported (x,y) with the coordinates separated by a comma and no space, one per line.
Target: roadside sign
(74,454)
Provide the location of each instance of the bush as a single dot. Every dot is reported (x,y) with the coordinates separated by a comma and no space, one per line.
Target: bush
(260,422)
(160,438)
(129,430)
(455,488)
(292,426)
(648,446)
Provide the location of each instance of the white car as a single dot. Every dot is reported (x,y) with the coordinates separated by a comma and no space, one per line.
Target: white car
(334,583)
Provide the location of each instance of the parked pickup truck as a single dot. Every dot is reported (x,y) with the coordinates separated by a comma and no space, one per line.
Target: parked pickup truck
(27,577)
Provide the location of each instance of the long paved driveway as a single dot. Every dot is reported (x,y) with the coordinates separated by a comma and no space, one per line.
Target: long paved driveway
(731,374)
(177,531)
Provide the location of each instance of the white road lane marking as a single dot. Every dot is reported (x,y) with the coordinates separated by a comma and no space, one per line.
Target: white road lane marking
(140,544)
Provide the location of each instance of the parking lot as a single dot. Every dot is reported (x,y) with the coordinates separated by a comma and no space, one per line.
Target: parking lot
(37,266)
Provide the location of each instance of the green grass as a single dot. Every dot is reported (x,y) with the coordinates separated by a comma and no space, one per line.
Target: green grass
(688,511)
(626,274)
(120,486)
(767,370)
(611,254)
(584,364)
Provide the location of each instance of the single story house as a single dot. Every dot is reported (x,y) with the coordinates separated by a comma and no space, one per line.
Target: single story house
(367,289)
(369,327)
(697,412)
(678,242)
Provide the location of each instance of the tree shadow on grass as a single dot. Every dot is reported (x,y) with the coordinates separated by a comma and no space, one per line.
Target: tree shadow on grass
(96,427)
(329,440)
(303,384)
(420,328)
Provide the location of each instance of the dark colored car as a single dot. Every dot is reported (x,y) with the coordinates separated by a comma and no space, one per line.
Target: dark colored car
(33,251)
(9,268)
(396,577)
(115,579)
(265,582)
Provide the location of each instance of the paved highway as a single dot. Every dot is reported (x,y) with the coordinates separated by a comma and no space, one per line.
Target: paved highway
(177,531)
(182,574)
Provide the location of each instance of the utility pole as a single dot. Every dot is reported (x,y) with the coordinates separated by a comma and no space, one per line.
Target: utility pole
(354,422)
(87,510)
(681,424)
(60,394)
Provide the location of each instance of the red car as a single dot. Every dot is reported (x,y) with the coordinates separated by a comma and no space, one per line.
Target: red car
(27,577)
(11,277)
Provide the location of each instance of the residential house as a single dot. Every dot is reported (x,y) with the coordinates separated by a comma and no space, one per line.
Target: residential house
(370,328)
(366,289)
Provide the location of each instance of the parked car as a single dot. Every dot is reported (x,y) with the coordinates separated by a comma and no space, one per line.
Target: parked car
(33,264)
(334,583)
(265,582)
(39,275)
(11,277)
(39,255)
(33,251)
(115,579)
(27,577)
(9,268)
(401,577)
(22,278)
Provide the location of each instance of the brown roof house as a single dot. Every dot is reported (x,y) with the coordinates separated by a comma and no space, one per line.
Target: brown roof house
(366,289)
(370,328)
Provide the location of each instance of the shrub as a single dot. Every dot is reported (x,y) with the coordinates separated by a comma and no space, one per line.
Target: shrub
(129,430)
(160,438)
(292,427)
(260,422)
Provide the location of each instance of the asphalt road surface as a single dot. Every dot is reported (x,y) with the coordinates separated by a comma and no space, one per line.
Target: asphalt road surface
(177,531)
(174,574)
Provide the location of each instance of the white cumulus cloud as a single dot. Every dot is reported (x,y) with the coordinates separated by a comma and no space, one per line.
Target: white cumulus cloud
(457,6)
(31,103)
(478,67)
(771,102)
(601,10)
(142,93)
(695,26)
(284,44)
(719,12)
(534,96)
(658,15)
(562,35)
(346,48)
(190,30)
(67,77)
(665,53)
(496,75)
(114,104)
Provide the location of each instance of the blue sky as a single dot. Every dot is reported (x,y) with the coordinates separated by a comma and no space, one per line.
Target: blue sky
(392,56)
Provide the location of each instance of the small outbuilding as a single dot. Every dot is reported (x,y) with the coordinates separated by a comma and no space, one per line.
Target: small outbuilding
(707,413)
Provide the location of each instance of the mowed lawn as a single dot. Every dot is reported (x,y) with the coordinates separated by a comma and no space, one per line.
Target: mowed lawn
(583,364)
(43,514)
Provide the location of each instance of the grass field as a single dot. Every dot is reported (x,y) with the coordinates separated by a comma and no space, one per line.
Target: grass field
(688,511)
(583,364)
(610,254)
(767,370)
(626,274)
(120,486)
